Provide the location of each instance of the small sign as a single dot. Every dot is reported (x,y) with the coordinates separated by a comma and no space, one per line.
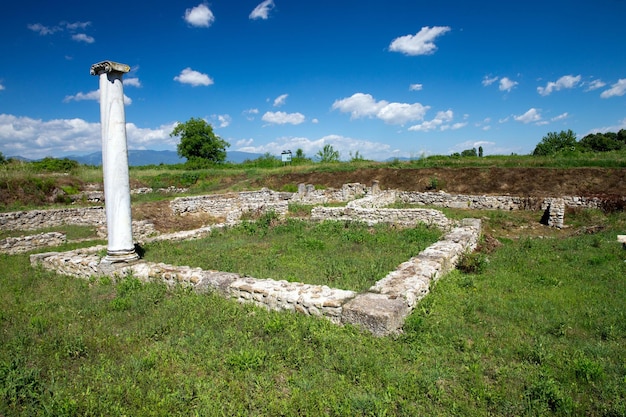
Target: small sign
(286,156)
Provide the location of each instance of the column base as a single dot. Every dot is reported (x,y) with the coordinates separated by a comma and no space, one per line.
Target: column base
(118,256)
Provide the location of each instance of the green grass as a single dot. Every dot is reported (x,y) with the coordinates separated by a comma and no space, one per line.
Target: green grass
(347,255)
(541,331)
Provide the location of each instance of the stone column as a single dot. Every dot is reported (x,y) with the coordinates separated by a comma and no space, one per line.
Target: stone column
(120,246)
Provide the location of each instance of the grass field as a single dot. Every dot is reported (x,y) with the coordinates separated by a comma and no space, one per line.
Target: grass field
(540,330)
(346,255)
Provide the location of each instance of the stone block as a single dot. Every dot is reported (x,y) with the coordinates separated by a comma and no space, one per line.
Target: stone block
(380,314)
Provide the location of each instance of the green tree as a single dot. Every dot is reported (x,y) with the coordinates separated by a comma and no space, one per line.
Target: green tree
(2,158)
(621,136)
(601,142)
(198,142)
(328,154)
(300,157)
(469,152)
(554,143)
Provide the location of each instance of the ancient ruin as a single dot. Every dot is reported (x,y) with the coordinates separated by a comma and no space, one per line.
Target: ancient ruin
(381,310)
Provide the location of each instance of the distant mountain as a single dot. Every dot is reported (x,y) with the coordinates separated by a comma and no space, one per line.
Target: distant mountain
(148,157)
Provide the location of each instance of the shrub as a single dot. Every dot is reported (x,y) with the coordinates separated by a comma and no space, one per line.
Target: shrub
(472,263)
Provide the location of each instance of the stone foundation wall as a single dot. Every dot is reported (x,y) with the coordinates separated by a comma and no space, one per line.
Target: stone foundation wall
(381,310)
(487,202)
(400,217)
(233,205)
(13,245)
(41,219)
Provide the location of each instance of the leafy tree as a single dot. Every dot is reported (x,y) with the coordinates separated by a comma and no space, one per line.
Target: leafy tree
(300,157)
(601,142)
(2,158)
(198,142)
(480,151)
(554,143)
(328,154)
(621,136)
(469,152)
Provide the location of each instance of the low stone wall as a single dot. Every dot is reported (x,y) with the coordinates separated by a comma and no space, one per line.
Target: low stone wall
(488,202)
(142,230)
(381,310)
(14,245)
(233,205)
(96,195)
(400,217)
(375,200)
(41,219)
(307,194)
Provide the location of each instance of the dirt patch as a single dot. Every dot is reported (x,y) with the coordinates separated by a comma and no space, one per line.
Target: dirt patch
(165,221)
(523,182)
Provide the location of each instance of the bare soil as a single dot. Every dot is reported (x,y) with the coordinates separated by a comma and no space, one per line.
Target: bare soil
(523,182)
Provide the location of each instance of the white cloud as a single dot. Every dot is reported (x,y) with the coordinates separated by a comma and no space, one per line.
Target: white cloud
(199,16)
(2,87)
(506,84)
(401,113)
(193,78)
(132,82)
(244,143)
(617,89)
(489,80)
(63,26)
(76,25)
(250,113)
(560,117)
(594,85)
(315,121)
(345,146)
(439,122)
(566,81)
(419,44)
(262,10)
(81,37)
(280,100)
(615,128)
(364,105)
(92,95)
(43,30)
(36,138)
(148,138)
(532,115)
(222,119)
(416,87)
(281,118)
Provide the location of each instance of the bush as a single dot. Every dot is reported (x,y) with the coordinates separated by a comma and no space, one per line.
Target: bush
(472,263)
(49,164)
(554,143)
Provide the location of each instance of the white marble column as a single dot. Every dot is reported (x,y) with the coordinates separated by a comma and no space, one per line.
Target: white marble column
(120,246)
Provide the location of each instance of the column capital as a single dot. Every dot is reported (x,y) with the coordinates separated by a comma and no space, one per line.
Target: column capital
(108,66)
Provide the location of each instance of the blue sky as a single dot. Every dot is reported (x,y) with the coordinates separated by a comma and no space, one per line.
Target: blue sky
(388,79)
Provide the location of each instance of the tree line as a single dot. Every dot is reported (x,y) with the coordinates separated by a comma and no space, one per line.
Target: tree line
(565,142)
